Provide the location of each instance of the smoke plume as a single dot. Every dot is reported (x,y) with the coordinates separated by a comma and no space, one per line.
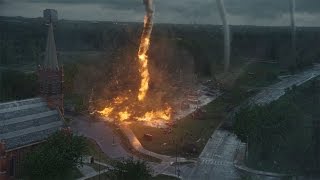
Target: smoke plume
(223,14)
(293,27)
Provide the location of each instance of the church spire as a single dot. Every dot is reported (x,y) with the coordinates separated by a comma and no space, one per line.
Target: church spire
(51,60)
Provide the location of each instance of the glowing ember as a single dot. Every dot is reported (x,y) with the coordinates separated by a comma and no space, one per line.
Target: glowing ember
(119,108)
(165,115)
(106,111)
(124,115)
(120,100)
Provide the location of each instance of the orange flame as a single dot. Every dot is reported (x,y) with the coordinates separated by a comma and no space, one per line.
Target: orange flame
(120,100)
(106,111)
(124,115)
(143,58)
(148,116)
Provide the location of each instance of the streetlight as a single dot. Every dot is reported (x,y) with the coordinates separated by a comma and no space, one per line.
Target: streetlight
(99,163)
(247,148)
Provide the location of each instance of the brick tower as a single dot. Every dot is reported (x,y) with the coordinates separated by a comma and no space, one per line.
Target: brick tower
(51,75)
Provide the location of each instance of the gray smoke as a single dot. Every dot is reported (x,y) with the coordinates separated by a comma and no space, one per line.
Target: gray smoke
(223,15)
(293,27)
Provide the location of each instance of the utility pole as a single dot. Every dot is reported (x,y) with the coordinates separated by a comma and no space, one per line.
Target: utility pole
(175,167)
(315,144)
(247,149)
(316,140)
(99,164)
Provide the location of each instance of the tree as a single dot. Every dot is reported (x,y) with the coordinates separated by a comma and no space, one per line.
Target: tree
(12,82)
(131,169)
(56,158)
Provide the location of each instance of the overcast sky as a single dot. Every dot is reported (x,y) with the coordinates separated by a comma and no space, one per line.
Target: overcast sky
(243,12)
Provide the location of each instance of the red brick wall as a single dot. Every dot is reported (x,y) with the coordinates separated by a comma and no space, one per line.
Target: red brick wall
(51,87)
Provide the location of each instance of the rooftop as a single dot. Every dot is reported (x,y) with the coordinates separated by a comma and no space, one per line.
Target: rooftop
(27,122)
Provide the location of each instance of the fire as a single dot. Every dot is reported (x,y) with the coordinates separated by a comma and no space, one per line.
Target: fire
(143,58)
(116,109)
(124,115)
(120,100)
(148,116)
(106,111)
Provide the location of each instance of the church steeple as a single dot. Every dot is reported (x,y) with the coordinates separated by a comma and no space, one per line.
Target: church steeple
(51,75)
(51,60)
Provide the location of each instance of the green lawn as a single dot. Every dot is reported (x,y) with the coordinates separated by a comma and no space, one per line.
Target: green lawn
(105,176)
(191,135)
(188,133)
(97,153)
(75,174)
(164,177)
(281,134)
(258,75)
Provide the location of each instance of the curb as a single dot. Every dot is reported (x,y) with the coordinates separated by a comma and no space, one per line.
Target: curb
(238,164)
(257,172)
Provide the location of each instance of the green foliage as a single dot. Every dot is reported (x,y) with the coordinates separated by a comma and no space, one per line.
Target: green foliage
(71,97)
(259,75)
(70,72)
(276,133)
(56,158)
(77,101)
(17,85)
(164,177)
(131,169)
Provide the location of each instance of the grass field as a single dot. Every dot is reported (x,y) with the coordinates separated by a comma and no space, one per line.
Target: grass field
(97,153)
(190,134)
(258,75)
(105,176)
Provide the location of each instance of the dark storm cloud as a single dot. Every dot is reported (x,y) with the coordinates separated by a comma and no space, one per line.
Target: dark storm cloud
(260,12)
(270,8)
(202,7)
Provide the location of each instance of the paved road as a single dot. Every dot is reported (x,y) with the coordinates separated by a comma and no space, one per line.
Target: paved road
(86,170)
(101,133)
(277,90)
(215,161)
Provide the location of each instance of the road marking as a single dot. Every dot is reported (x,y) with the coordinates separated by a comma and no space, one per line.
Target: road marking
(215,162)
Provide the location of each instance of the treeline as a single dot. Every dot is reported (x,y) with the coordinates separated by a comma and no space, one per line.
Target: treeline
(281,135)
(15,85)
(24,41)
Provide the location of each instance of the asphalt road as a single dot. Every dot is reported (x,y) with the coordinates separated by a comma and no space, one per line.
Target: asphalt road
(101,133)
(216,160)
(275,91)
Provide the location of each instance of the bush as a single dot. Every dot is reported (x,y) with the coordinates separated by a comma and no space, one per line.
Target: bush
(56,158)
(17,85)
(131,169)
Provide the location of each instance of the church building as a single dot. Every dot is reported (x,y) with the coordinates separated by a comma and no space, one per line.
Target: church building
(26,123)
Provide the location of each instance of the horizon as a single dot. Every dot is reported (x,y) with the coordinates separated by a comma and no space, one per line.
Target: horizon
(248,12)
(162,23)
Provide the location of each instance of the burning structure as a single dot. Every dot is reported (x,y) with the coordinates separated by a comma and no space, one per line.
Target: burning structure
(129,105)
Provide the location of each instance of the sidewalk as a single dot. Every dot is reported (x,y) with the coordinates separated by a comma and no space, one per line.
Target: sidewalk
(240,165)
(89,172)
(135,143)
